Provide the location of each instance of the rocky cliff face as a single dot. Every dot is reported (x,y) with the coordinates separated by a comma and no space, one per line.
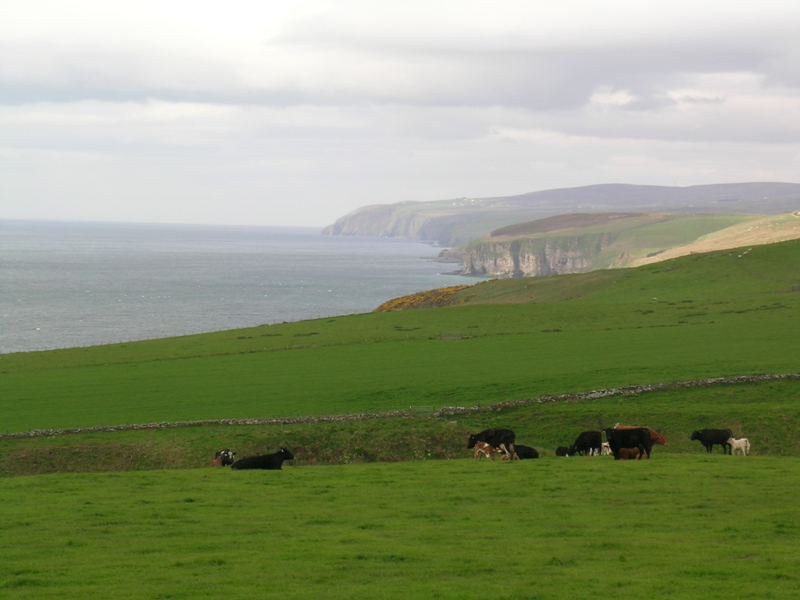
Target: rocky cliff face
(528,258)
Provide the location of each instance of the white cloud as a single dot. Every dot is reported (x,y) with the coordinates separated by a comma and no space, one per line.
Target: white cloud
(212,111)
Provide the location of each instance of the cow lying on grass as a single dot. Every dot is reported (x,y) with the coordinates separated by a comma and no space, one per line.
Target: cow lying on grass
(742,445)
(271,462)
(562,451)
(223,458)
(523,452)
(499,438)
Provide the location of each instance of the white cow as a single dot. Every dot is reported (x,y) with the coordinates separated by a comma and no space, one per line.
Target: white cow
(605,449)
(742,445)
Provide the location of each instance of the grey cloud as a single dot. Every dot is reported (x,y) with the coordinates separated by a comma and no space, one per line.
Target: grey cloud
(507,71)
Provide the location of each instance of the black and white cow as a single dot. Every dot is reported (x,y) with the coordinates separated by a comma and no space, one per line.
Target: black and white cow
(588,444)
(502,439)
(271,462)
(223,458)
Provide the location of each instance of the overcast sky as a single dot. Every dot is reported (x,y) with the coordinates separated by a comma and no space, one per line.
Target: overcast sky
(296,112)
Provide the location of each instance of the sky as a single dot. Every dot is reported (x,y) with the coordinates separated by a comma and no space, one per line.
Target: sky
(297,112)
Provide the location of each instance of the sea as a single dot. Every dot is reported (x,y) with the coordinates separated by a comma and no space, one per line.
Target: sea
(71,284)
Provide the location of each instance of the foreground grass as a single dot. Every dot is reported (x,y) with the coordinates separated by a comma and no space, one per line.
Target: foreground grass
(674,526)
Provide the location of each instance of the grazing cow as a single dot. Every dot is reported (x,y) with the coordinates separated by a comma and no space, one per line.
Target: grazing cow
(487,450)
(223,458)
(499,438)
(588,444)
(709,437)
(605,449)
(271,462)
(562,451)
(742,445)
(655,436)
(629,438)
(523,452)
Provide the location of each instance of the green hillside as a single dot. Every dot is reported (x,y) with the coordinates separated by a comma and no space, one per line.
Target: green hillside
(693,317)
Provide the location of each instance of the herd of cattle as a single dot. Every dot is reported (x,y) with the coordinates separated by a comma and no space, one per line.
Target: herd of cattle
(623,442)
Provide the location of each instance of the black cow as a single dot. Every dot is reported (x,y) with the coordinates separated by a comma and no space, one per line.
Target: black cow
(272,461)
(588,443)
(499,438)
(629,438)
(223,458)
(525,451)
(562,451)
(709,437)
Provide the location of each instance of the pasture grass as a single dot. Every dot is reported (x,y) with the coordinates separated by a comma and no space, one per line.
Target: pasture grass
(767,413)
(676,526)
(708,315)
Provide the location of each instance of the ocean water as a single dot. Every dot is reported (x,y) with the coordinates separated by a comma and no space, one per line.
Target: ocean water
(66,284)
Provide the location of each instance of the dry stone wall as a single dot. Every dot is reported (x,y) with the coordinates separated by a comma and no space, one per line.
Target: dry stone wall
(447,411)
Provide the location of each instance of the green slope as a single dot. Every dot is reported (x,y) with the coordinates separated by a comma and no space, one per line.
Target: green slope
(697,316)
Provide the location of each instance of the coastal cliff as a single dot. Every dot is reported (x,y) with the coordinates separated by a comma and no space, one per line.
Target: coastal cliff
(578,243)
(459,220)
(532,257)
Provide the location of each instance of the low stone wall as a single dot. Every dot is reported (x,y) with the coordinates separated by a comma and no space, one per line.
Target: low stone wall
(446,411)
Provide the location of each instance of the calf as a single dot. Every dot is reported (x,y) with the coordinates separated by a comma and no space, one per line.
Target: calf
(709,437)
(742,445)
(588,444)
(487,450)
(629,438)
(629,454)
(605,449)
(499,438)
(562,451)
(223,458)
(271,462)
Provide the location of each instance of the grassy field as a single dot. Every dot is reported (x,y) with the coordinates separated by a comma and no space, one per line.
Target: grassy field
(676,526)
(694,317)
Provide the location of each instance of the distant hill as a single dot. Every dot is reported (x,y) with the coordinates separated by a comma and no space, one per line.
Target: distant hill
(582,242)
(458,221)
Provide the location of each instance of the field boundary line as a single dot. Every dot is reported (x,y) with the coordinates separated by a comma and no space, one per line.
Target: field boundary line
(445,411)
